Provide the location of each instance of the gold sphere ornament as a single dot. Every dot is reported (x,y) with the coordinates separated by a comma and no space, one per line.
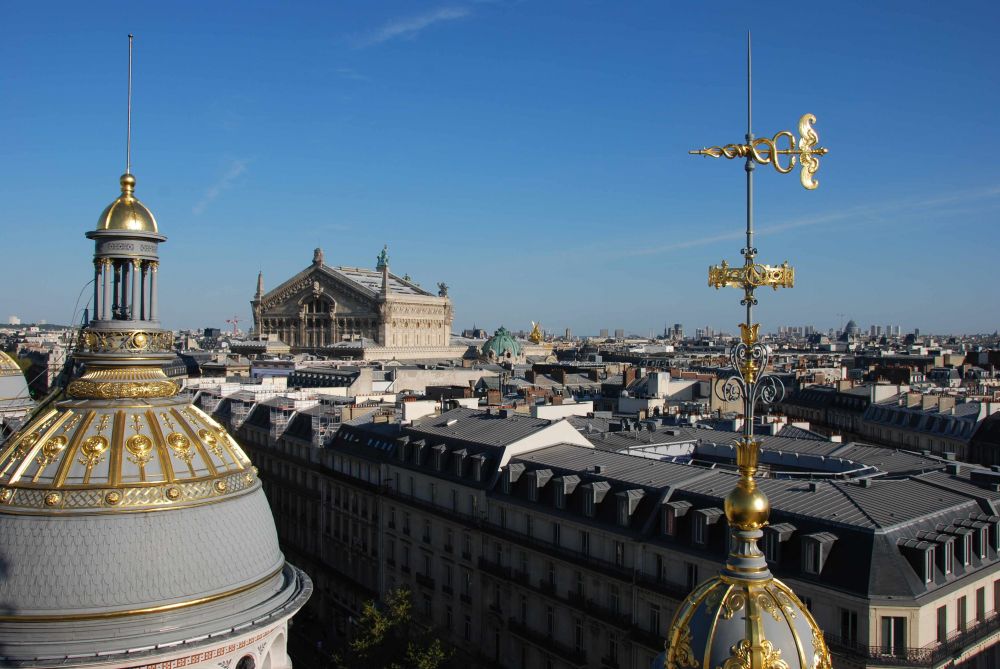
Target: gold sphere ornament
(52,499)
(113,497)
(140,339)
(173,493)
(747,507)
(5,495)
(220,485)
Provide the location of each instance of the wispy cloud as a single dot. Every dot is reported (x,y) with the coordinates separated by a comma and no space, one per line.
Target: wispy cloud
(866,212)
(351,74)
(409,27)
(232,173)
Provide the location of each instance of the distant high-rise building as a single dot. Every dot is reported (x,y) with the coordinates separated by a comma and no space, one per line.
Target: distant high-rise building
(678,331)
(619,333)
(604,333)
(13,320)
(569,333)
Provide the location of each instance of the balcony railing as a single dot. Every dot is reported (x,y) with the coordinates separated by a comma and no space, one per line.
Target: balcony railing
(547,643)
(603,613)
(494,569)
(927,656)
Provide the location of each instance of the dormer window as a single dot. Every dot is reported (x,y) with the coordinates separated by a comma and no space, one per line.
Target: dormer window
(627,502)
(929,564)
(815,549)
(774,537)
(588,506)
(671,513)
(560,496)
(701,522)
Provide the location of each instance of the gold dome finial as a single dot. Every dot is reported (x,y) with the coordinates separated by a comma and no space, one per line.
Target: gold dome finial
(127,182)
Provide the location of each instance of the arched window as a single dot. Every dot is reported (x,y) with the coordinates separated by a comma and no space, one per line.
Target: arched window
(246,662)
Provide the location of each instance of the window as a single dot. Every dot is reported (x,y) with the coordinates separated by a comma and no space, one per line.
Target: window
(406,523)
(560,495)
(813,557)
(980,605)
(552,573)
(848,625)
(529,524)
(949,557)
(620,553)
(654,618)
(942,624)
(550,620)
(406,558)
(893,636)
(448,617)
(772,542)
(524,563)
(578,635)
(996,595)
(454,500)
(698,530)
(447,569)
(614,599)
(392,517)
(660,570)
(556,532)
(579,584)
(966,550)
(390,551)
(467,632)
(613,648)
(963,613)
(467,546)
(692,575)
(585,542)
(473,505)
(466,583)
(588,504)
(449,540)
(929,565)
(498,552)
(503,517)
(524,610)
(427,531)
(427,607)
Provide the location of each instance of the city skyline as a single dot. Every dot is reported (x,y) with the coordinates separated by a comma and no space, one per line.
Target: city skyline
(534,162)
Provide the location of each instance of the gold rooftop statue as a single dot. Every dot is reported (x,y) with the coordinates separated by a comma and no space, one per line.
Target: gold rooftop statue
(744,618)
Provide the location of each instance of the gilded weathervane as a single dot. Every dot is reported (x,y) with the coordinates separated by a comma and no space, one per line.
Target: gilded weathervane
(744,618)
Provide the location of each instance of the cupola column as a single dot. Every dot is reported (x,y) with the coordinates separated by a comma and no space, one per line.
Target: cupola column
(135,313)
(96,311)
(143,299)
(153,266)
(106,301)
(116,305)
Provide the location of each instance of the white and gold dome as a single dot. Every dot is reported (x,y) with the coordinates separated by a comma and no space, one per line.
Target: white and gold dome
(135,529)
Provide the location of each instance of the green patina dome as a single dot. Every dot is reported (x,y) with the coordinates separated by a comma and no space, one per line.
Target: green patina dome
(501,345)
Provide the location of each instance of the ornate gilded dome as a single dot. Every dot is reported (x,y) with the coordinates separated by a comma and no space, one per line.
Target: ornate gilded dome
(739,624)
(126,212)
(744,618)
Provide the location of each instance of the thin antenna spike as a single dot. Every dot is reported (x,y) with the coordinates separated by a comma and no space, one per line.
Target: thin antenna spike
(128,138)
(749,87)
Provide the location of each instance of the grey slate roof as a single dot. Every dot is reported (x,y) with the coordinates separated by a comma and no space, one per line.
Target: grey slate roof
(476,426)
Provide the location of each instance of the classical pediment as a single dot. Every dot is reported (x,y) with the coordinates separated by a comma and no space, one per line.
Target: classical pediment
(316,282)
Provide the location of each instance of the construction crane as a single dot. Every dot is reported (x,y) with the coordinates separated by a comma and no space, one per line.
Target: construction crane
(234,321)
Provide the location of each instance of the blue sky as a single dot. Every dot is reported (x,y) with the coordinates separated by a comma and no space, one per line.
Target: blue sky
(530,154)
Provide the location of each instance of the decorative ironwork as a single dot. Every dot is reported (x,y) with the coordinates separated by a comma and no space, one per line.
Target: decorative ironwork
(766,151)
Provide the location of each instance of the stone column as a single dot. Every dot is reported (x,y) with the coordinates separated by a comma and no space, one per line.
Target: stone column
(143,300)
(116,306)
(96,311)
(136,299)
(106,301)
(153,266)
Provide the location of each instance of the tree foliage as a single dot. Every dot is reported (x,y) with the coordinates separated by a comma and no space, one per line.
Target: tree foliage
(386,637)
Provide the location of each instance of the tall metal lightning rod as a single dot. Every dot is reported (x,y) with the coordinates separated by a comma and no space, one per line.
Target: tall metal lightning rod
(749,357)
(128,138)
